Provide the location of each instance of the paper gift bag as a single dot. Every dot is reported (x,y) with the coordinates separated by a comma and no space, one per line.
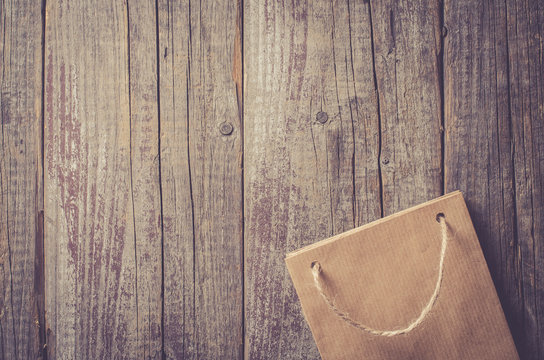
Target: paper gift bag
(413,285)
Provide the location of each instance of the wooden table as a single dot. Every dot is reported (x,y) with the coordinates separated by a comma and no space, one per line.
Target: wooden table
(159,159)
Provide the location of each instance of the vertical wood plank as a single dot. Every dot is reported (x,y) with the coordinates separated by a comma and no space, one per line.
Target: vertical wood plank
(525,29)
(311,152)
(407,43)
(102,227)
(179,290)
(21,182)
(494,148)
(201,153)
(144,174)
(478,139)
(89,232)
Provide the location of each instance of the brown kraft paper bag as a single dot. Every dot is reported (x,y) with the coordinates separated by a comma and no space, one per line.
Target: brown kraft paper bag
(413,285)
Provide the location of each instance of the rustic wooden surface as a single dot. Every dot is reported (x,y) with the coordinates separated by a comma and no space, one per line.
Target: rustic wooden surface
(494,148)
(407,44)
(94,304)
(159,159)
(311,152)
(201,152)
(22,328)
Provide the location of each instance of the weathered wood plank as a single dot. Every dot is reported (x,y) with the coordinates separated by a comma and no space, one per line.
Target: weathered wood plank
(407,43)
(201,148)
(525,29)
(494,147)
(179,291)
(311,152)
(101,244)
(477,139)
(144,173)
(22,332)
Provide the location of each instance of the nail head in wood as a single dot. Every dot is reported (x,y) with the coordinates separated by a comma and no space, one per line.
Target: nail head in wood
(322,117)
(226,128)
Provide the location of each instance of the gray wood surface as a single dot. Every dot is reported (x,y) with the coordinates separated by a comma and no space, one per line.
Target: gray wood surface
(22,328)
(201,175)
(493,75)
(314,180)
(311,144)
(407,41)
(144,175)
(93,298)
(159,159)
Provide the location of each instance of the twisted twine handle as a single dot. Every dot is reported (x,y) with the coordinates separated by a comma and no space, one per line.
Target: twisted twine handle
(317,269)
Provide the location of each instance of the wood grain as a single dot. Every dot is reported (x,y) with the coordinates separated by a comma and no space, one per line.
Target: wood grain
(311,152)
(144,174)
(201,173)
(407,43)
(91,250)
(525,29)
(22,332)
(494,149)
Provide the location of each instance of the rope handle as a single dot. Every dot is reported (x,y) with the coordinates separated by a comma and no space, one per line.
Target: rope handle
(317,270)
